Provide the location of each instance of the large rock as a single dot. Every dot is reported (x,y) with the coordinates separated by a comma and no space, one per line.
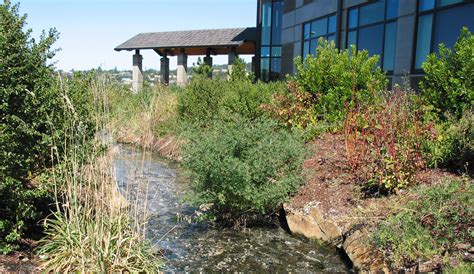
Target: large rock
(363,255)
(310,223)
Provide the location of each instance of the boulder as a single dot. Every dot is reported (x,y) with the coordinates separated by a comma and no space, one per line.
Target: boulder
(363,255)
(311,224)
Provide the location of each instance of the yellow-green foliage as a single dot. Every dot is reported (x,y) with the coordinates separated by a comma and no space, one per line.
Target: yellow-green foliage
(151,112)
(206,100)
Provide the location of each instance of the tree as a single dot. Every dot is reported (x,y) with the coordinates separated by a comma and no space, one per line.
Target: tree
(239,71)
(201,68)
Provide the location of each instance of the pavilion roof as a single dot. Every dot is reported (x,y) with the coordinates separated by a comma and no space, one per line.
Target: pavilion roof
(192,39)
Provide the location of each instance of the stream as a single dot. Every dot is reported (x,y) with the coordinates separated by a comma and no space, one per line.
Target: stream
(198,247)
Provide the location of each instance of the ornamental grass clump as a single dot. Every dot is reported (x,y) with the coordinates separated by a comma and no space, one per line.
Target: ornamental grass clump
(94,227)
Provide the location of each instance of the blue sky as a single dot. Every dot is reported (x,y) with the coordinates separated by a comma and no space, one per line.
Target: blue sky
(90,29)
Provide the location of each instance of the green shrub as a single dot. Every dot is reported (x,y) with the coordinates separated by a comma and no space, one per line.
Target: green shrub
(433,223)
(454,145)
(337,79)
(205,100)
(27,105)
(449,78)
(32,115)
(243,168)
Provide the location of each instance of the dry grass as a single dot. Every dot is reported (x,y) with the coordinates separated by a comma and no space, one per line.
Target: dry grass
(148,119)
(94,227)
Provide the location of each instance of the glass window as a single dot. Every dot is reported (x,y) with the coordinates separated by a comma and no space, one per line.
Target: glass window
(390,45)
(442,3)
(266,23)
(265,52)
(450,22)
(392,9)
(276,68)
(352,38)
(277,19)
(332,24)
(306,49)
(353,18)
(276,51)
(307,31)
(371,39)
(265,69)
(372,13)
(313,47)
(426,5)
(423,45)
(332,38)
(319,27)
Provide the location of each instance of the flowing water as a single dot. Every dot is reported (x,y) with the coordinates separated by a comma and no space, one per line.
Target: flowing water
(198,247)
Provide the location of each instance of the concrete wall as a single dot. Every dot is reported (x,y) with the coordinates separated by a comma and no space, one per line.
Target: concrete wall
(297,12)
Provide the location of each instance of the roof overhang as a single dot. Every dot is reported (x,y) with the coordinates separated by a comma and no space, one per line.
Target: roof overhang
(195,42)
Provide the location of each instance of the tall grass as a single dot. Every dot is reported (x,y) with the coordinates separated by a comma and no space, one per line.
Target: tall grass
(147,119)
(94,227)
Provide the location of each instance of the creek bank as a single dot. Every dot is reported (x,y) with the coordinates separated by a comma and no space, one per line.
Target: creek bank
(168,146)
(332,208)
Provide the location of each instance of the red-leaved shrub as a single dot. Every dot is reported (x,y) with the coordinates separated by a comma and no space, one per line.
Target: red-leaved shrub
(385,141)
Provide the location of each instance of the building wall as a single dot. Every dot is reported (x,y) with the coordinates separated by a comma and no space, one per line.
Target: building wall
(299,12)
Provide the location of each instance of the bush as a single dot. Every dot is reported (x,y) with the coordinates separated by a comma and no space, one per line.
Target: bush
(433,223)
(337,79)
(28,104)
(449,78)
(205,100)
(454,145)
(34,111)
(243,168)
(386,141)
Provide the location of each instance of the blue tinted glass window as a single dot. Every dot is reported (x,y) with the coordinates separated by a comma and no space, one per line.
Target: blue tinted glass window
(392,9)
(353,18)
(276,68)
(352,39)
(305,49)
(313,46)
(371,39)
(423,44)
(277,22)
(332,38)
(319,27)
(442,3)
(276,51)
(372,13)
(266,23)
(265,52)
(307,31)
(389,48)
(450,22)
(332,24)
(265,69)
(426,5)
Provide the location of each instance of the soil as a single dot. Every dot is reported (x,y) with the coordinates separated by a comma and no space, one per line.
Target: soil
(24,261)
(334,186)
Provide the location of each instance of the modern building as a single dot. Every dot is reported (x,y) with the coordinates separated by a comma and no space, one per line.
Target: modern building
(401,32)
